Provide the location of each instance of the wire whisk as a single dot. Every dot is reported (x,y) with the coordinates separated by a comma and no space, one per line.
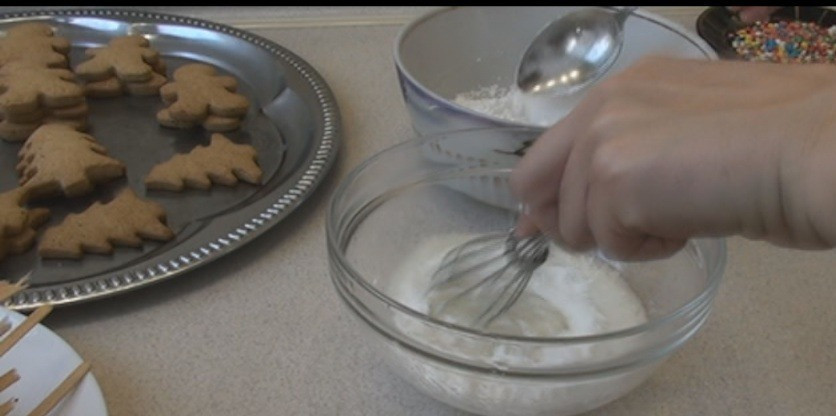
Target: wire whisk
(482,278)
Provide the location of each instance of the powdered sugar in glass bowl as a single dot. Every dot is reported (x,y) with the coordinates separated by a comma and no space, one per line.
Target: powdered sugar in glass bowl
(389,218)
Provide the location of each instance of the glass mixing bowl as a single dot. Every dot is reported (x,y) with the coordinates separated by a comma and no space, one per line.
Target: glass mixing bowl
(457,182)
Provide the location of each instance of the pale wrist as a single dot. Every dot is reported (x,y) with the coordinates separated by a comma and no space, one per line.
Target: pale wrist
(815,224)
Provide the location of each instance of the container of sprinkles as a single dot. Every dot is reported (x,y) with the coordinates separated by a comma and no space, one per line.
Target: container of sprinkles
(793,35)
(783,41)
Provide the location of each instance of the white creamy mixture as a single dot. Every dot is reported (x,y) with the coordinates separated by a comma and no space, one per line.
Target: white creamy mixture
(568,295)
(509,103)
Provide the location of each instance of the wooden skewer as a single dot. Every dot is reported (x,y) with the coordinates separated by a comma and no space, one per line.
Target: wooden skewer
(33,319)
(5,326)
(8,290)
(8,379)
(7,407)
(62,390)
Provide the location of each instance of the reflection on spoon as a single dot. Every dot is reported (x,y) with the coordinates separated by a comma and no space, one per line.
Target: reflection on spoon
(572,51)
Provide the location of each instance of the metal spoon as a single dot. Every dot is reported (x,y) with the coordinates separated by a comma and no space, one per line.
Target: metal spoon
(572,51)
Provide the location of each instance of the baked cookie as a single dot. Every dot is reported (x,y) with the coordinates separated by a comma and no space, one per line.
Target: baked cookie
(12,213)
(59,160)
(30,117)
(26,87)
(113,87)
(17,132)
(19,243)
(211,123)
(197,93)
(126,220)
(32,95)
(34,42)
(128,58)
(222,162)
(76,111)
(18,224)
(127,65)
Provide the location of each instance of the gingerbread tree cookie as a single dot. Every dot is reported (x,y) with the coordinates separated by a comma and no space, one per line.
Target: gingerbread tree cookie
(18,224)
(198,94)
(34,42)
(56,159)
(126,220)
(222,162)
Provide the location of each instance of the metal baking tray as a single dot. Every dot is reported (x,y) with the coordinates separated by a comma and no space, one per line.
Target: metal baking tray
(293,122)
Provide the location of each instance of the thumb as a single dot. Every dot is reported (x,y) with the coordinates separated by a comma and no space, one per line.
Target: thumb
(525,226)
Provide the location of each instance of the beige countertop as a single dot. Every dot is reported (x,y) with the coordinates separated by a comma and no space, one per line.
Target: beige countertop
(262,331)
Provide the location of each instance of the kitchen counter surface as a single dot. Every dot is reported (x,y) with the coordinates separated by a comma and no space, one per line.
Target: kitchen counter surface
(262,331)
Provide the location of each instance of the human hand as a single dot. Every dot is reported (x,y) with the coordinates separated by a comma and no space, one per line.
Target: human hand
(752,14)
(671,149)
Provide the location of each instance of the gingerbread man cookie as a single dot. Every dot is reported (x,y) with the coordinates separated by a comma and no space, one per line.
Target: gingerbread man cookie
(199,96)
(26,87)
(31,95)
(34,42)
(128,58)
(127,65)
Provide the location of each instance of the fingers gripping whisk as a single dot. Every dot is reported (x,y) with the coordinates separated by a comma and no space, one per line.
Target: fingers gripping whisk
(481,279)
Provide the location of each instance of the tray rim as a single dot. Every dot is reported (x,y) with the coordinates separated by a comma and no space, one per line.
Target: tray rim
(277,205)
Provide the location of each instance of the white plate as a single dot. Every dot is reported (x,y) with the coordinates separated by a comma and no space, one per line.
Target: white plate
(43,360)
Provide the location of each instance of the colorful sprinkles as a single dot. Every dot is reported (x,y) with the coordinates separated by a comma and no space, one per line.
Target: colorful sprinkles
(786,42)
